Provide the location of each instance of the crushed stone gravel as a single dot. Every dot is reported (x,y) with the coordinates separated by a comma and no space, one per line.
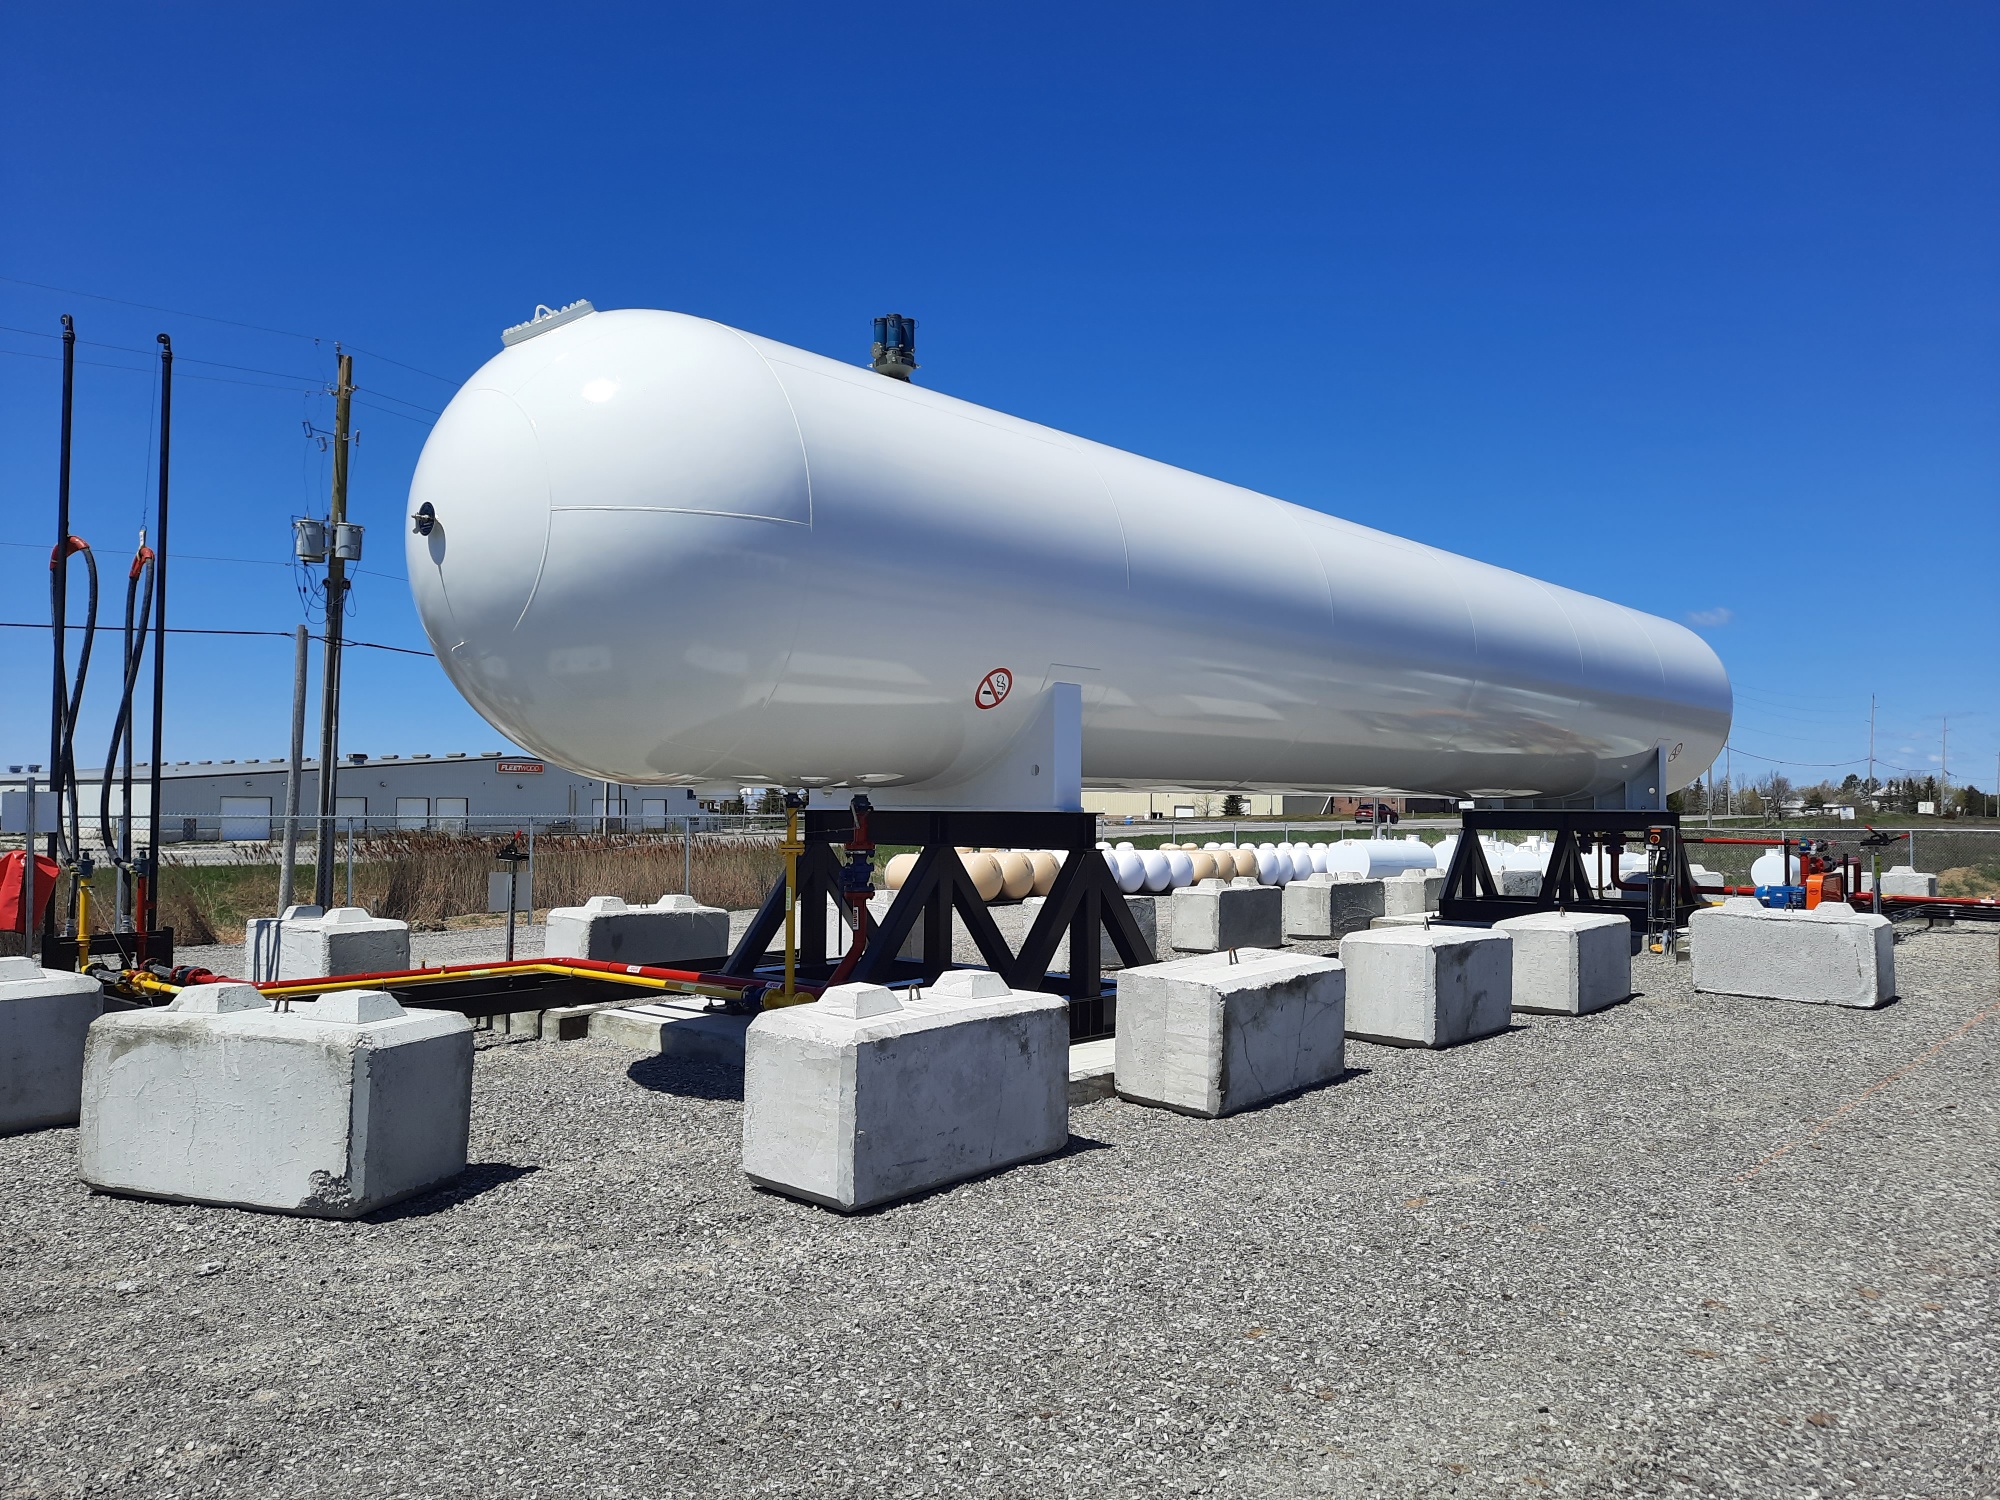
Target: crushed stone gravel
(1685,1246)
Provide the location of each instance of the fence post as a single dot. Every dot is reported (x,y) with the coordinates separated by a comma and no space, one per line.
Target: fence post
(350,861)
(687,856)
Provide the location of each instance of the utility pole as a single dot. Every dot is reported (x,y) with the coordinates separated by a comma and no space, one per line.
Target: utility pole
(336,605)
(1871,742)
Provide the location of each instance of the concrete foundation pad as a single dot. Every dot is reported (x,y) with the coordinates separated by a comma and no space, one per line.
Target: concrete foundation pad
(1569,963)
(1214,915)
(1223,1032)
(344,940)
(1831,955)
(1427,986)
(673,929)
(1325,908)
(867,1096)
(44,1017)
(674,1029)
(329,1110)
(1092,1068)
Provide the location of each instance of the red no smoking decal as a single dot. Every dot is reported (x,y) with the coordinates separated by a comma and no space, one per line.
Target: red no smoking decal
(993,688)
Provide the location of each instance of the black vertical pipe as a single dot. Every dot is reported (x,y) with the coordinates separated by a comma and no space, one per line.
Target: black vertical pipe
(150,917)
(59,590)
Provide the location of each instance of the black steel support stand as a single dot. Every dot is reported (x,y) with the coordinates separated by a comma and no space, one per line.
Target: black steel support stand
(1471,894)
(1083,903)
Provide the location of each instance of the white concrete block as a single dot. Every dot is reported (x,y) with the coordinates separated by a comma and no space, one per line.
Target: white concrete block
(1903,880)
(263,943)
(864,1097)
(1520,882)
(1569,963)
(1427,986)
(1412,893)
(1325,907)
(1831,955)
(344,940)
(1214,915)
(330,1109)
(673,929)
(1207,1036)
(44,1014)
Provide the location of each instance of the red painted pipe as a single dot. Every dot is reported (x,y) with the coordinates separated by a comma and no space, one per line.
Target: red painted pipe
(387,976)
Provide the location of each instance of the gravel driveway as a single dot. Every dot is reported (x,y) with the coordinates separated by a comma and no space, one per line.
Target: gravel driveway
(1545,1264)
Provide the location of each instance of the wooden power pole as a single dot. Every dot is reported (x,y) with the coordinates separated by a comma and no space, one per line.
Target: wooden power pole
(339,547)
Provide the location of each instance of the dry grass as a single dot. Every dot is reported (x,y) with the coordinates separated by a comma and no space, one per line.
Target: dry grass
(1970,880)
(428,878)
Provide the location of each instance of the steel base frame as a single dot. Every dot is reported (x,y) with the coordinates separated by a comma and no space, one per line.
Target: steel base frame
(1472,895)
(1083,903)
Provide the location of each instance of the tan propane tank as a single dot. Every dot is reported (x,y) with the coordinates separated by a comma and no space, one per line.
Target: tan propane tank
(1246,861)
(1046,869)
(1204,864)
(897,871)
(1017,874)
(985,872)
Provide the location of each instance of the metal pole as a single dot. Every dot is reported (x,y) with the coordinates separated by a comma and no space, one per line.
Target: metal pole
(28,873)
(513,899)
(150,921)
(59,591)
(294,770)
(350,861)
(336,594)
(687,855)
(531,870)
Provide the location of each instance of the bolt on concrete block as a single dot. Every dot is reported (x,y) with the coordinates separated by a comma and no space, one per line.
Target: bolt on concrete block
(1213,915)
(1831,955)
(869,1096)
(1427,986)
(1222,1032)
(1569,963)
(328,1110)
(44,1015)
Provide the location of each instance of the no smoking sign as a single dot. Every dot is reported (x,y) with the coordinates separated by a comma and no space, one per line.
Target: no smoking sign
(993,688)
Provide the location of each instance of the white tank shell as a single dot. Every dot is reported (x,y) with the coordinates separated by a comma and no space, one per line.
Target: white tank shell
(670,552)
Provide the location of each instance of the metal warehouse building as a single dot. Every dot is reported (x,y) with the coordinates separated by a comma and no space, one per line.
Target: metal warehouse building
(450,793)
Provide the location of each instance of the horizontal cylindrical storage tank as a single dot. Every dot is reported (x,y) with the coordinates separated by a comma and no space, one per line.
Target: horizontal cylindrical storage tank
(1377,859)
(591,472)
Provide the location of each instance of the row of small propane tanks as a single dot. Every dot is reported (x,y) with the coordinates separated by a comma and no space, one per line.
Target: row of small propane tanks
(1016,874)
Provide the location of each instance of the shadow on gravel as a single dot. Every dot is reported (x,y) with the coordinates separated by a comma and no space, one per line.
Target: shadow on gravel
(1076,1145)
(479,1177)
(687,1078)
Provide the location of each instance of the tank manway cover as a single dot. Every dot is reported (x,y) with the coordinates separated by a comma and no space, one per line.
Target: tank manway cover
(545,319)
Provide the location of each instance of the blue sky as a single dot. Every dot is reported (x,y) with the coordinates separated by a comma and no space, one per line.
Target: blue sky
(1690,306)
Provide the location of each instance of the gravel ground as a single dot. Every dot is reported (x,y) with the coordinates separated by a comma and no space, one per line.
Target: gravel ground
(1545,1264)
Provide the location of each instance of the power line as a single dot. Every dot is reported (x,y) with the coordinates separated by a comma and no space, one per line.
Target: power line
(179,359)
(67,291)
(98,364)
(283,635)
(283,333)
(248,562)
